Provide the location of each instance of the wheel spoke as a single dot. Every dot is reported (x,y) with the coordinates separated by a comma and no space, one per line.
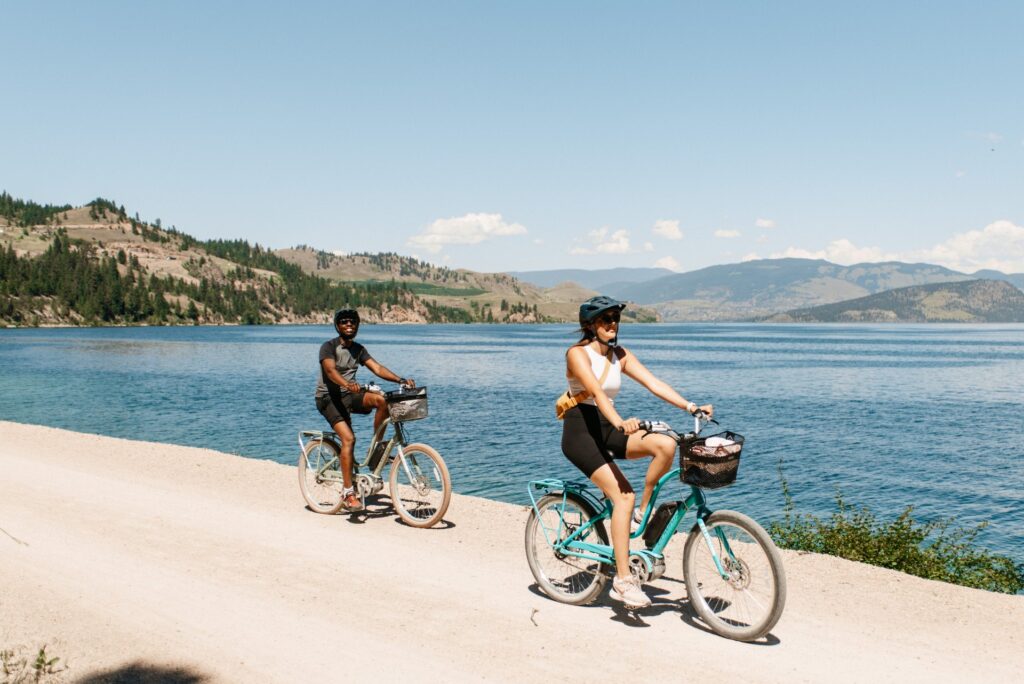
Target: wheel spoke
(745,603)
(420,488)
(564,577)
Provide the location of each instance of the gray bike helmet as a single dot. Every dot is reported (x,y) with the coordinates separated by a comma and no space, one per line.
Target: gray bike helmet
(595,306)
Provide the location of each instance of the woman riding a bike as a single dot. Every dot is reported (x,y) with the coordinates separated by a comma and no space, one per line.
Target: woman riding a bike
(594,434)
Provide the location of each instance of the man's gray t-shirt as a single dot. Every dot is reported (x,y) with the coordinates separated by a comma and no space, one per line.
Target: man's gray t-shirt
(346,361)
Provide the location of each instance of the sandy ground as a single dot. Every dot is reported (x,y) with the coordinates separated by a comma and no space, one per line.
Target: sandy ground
(193,565)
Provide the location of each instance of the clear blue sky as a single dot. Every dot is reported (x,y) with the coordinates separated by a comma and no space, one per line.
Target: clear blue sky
(522,135)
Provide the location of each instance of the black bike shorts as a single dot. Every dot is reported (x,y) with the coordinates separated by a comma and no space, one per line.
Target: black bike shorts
(340,408)
(589,440)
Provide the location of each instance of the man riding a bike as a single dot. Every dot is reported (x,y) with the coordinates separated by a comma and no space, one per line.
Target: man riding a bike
(338,395)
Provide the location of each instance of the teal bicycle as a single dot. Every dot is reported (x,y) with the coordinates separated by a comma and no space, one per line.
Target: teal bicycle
(733,573)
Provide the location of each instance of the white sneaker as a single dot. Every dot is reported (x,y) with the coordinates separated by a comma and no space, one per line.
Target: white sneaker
(630,593)
(634,522)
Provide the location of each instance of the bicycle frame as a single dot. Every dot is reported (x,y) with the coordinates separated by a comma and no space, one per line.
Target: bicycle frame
(397,441)
(603,553)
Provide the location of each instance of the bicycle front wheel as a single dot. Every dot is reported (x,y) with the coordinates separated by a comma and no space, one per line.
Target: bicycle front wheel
(320,479)
(565,578)
(745,599)
(420,485)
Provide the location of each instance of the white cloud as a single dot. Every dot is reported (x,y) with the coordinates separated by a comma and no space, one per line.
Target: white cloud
(603,243)
(961,174)
(668,262)
(840,252)
(762,239)
(667,229)
(470,229)
(538,241)
(648,246)
(727,233)
(764,223)
(999,246)
(753,256)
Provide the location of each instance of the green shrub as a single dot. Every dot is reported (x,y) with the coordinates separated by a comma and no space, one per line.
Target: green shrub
(933,550)
(17,668)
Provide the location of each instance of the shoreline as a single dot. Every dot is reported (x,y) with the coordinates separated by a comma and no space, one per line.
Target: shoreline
(120,553)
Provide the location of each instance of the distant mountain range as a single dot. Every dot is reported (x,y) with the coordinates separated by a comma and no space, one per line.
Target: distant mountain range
(971,301)
(95,264)
(757,289)
(600,280)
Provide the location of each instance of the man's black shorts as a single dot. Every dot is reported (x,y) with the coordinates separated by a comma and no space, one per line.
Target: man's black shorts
(342,407)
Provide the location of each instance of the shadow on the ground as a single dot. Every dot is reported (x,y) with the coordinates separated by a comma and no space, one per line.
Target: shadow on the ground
(144,673)
(659,604)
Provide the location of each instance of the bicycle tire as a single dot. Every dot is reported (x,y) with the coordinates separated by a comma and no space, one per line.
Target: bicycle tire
(423,500)
(566,579)
(749,603)
(321,495)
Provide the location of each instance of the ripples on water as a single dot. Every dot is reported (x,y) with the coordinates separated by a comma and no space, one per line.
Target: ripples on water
(928,415)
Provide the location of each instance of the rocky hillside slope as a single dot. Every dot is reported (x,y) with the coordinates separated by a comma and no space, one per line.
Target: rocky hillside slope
(63,265)
(767,286)
(490,297)
(973,301)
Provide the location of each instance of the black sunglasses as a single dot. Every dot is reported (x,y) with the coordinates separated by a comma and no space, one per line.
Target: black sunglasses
(348,321)
(609,317)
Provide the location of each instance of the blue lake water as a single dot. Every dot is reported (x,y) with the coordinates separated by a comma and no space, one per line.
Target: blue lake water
(927,415)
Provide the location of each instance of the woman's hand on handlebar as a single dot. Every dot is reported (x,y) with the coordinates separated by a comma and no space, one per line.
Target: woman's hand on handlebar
(707,409)
(630,425)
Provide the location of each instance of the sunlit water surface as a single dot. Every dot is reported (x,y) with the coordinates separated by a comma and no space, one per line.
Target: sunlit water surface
(889,415)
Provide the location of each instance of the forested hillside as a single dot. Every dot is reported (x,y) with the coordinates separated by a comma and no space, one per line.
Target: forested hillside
(94,265)
(97,265)
(484,297)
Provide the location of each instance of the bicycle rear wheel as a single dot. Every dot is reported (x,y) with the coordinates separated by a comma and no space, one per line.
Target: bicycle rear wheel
(747,602)
(421,487)
(568,579)
(320,479)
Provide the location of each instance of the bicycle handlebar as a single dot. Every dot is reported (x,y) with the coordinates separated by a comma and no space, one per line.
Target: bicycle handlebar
(377,389)
(700,419)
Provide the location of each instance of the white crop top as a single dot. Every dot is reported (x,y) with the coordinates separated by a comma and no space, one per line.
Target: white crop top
(612,382)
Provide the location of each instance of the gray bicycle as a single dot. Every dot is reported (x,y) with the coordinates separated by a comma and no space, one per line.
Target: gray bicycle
(419,483)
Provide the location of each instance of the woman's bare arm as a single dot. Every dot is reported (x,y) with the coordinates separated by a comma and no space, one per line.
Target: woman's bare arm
(632,368)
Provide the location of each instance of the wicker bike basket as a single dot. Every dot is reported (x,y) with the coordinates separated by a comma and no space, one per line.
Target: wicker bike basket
(408,404)
(713,465)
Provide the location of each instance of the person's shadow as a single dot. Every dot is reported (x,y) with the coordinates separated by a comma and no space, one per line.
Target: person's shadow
(144,673)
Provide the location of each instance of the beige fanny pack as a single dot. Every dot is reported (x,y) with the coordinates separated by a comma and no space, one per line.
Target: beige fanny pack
(567,401)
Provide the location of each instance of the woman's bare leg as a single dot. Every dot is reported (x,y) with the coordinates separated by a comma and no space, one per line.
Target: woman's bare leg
(661,449)
(616,487)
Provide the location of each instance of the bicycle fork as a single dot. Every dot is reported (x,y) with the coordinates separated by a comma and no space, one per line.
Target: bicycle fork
(711,547)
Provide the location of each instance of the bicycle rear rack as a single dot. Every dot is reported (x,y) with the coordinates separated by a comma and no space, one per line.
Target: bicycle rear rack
(307,436)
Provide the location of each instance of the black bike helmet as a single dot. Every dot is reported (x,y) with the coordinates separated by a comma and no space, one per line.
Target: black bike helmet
(346,313)
(595,306)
